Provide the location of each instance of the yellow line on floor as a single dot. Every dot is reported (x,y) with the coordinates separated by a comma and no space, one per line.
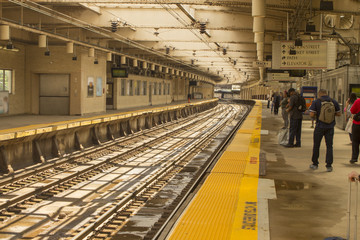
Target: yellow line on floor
(226,205)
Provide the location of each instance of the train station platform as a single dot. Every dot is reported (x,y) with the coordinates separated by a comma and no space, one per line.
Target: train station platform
(29,140)
(290,202)
(15,126)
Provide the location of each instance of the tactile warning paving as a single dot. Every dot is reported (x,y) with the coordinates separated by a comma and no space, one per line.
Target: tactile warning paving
(226,205)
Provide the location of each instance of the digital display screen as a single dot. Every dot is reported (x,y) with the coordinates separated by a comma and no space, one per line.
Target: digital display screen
(119,72)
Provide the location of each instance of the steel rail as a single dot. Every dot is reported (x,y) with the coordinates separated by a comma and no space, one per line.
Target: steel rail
(212,160)
(127,200)
(77,154)
(18,199)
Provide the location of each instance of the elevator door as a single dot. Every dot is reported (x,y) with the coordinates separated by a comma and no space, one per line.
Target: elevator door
(54,94)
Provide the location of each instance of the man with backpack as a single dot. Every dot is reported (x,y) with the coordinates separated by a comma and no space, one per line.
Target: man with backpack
(324,109)
(296,107)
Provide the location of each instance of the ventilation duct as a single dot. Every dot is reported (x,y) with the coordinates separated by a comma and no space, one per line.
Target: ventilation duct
(258,37)
(258,8)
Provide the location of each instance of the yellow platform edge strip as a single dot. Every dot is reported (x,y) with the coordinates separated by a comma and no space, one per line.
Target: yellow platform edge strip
(11,133)
(207,217)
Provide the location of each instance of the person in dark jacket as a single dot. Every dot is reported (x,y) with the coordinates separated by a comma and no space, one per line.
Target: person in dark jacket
(323,129)
(276,103)
(355,108)
(295,119)
(285,114)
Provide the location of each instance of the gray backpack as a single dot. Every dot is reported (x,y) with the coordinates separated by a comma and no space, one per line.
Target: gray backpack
(327,112)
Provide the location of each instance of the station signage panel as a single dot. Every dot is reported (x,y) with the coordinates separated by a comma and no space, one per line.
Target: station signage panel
(280,77)
(265,64)
(316,54)
(235,87)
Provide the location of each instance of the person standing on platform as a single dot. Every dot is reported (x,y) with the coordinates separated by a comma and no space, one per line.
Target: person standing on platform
(348,105)
(276,103)
(324,109)
(295,119)
(355,108)
(284,113)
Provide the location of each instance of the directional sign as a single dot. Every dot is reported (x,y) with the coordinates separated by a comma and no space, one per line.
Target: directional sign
(280,77)
(315,54)
(266,64)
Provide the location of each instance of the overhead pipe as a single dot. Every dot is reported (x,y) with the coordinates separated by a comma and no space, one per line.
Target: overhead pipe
(84,25)
(258,12)
(259,37)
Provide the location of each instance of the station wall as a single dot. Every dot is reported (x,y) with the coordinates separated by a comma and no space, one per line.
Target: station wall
(15,61)
(131,91)
(57,63)
(87,82)
(93,98)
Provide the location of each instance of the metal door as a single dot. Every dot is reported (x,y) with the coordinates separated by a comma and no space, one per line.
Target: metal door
(150,94)
(54,94)
(109,95)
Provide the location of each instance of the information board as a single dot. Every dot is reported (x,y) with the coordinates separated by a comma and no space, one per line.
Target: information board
(316,54)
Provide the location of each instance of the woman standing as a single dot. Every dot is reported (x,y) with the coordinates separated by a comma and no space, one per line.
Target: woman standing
(284,113)
(348,106)
(355,108)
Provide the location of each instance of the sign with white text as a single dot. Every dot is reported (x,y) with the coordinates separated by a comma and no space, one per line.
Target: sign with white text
(266,64)
(317,54)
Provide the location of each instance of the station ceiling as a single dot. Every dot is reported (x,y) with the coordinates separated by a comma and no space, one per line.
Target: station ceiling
(168,32)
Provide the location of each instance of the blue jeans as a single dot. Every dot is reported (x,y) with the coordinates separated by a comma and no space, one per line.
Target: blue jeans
(295,131)
(329,136)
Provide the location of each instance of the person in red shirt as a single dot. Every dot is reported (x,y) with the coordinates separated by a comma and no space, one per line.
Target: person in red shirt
(355,108)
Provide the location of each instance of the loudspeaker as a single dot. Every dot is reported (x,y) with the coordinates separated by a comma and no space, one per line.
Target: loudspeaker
(326,5)
(310,28)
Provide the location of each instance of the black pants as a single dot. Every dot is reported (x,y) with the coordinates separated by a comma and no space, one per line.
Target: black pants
(295,131)
(328,133)
(276,108)
(355,141)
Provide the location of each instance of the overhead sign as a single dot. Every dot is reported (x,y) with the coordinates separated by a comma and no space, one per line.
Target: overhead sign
(266,64)
(280,77)
(235,87)
(317,54)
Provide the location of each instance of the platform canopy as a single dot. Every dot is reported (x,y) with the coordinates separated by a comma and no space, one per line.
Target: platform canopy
(214,39)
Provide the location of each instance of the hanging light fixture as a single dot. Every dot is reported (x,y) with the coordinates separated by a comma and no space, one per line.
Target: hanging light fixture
(123,60)
(70,47)
(108,56)
(4,32)
(42,41)
(135,63)
(91,52)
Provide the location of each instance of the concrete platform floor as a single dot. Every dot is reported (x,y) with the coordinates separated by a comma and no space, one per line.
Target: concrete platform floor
(310,204)
(21,120)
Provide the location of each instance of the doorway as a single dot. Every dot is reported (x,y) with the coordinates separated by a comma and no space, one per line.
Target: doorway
(150,94)
(109,95)
(54,94)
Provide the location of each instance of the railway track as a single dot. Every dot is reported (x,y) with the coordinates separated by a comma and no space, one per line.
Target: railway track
(93,194)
